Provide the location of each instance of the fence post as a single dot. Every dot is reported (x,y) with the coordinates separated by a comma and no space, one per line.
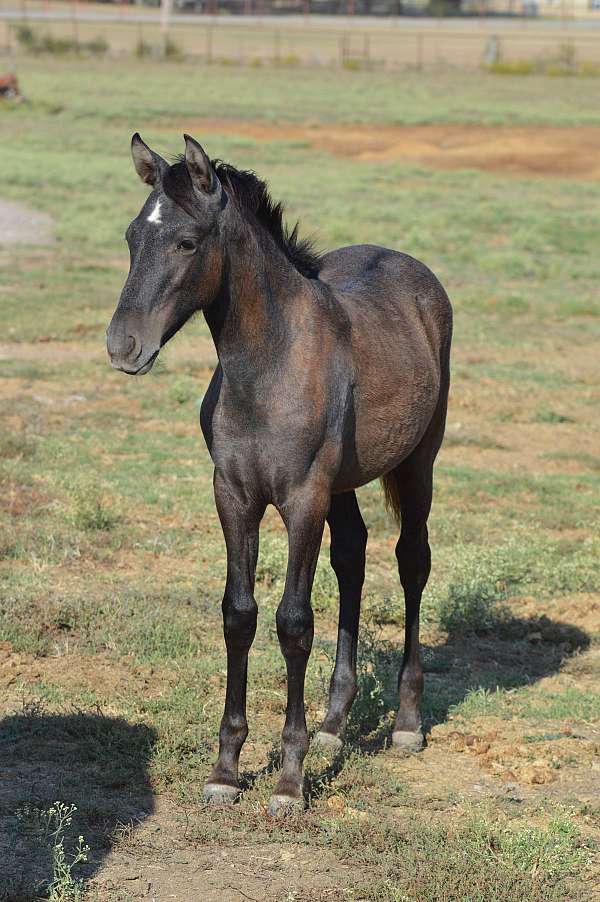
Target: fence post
(75,25)
(165,9)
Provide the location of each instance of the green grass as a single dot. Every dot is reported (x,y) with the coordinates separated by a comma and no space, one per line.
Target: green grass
(298,96)
(532,704)
(111,556)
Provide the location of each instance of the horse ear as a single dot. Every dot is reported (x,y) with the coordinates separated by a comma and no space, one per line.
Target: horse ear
(148,165)
(201,172)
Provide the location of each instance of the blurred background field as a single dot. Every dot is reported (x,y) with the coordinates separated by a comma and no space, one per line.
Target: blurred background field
(438,37)
(111,556)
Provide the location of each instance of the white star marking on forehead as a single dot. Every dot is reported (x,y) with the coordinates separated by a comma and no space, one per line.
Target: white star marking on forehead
(155,215)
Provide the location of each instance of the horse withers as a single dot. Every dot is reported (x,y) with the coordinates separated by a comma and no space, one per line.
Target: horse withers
(333,370)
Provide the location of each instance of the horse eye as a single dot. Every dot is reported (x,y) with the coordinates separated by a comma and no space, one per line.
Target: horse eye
(186,245)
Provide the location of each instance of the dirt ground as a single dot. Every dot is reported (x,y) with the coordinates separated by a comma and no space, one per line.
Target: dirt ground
(182,873)
(530,151)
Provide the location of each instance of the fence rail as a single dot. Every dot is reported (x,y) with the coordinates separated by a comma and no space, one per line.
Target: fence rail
(280,43)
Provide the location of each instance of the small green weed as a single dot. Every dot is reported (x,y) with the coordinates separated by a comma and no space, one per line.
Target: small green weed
(546,415)
(88,509)
(51,825)
(38,43)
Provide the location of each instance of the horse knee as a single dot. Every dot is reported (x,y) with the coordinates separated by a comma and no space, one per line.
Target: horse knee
(240,613)
(295,623)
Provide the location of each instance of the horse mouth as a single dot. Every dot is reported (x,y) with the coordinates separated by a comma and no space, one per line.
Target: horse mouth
(139,370)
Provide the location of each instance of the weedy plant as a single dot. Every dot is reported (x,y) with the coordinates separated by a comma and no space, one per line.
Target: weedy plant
(87,507)
(51,825)
(377,673)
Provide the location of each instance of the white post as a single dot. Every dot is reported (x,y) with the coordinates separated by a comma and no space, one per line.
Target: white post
(165,11)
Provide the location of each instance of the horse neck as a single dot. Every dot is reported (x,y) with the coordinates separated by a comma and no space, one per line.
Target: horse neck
(249,318)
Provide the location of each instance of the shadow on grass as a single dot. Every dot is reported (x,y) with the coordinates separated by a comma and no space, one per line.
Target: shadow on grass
(513,653)
(96,763)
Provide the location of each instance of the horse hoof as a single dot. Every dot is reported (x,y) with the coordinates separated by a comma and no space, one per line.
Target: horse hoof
(284,806)
(220,794)
(408,741)
(327,742)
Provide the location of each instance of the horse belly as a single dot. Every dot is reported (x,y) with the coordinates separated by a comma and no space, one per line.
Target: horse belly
(386,430)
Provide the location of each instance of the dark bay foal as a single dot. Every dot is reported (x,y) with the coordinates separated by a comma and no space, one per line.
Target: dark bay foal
(333,370)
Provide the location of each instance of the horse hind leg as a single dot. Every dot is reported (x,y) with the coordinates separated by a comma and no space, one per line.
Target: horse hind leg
(409,487)
(347,555)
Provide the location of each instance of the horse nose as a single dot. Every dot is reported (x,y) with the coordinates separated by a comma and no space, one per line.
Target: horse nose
(122,346)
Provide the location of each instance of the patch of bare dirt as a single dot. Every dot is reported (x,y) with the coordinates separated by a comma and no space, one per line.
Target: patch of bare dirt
(50,351)
(22,225)
(17,499)
(581,610)
(96,673)
(518,753)
(518,151)
(196,352)
(159,864)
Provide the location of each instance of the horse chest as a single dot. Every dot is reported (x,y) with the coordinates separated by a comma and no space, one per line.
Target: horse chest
(269,449)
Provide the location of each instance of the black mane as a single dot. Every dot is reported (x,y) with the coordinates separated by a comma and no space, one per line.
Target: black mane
(252,196)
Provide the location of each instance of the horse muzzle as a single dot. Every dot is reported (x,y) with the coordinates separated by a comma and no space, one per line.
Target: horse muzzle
(128,353)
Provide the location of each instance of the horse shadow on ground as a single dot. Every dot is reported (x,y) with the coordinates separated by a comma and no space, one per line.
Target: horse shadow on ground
(97,764)
(514,652)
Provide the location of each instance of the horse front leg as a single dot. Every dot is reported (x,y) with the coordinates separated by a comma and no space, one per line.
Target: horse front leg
(304,518)
(240,522)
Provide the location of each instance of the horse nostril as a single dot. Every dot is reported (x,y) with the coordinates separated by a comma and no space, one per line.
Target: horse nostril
(122,345)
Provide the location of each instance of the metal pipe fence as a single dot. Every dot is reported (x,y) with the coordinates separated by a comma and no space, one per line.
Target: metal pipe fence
(280,43)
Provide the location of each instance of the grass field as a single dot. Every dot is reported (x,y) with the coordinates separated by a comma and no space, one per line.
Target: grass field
(111,557)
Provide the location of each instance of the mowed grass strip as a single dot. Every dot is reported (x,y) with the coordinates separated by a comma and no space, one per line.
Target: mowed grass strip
(111,557)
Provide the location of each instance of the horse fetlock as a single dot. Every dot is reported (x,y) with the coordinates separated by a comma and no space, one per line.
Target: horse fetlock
(234,730)
(295,745)
(344,686)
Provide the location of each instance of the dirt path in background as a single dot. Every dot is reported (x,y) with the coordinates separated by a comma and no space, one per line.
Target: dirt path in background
(544,150)
(22,225)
